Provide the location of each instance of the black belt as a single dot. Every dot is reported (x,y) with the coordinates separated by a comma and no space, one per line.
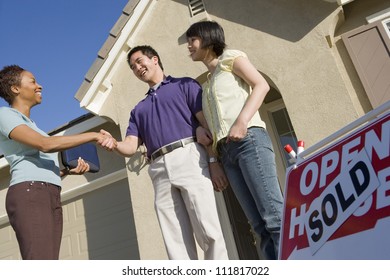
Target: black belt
(170,147)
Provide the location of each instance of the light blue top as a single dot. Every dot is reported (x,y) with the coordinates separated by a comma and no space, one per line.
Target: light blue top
(26,163)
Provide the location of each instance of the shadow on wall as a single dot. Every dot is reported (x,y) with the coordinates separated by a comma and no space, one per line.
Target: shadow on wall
(290,20)
(138,161)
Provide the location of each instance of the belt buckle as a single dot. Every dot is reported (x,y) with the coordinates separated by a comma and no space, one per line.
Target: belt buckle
(164,150)
(169,148)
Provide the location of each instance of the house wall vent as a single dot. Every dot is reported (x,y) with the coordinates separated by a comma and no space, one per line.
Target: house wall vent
(196,7)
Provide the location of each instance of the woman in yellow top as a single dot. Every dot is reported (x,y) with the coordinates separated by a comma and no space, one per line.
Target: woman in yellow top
(231,98)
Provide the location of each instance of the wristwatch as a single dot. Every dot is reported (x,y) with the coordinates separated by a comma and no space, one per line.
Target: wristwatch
(213,159)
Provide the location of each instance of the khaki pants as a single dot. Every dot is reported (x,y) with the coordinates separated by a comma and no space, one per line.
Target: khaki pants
(185,204)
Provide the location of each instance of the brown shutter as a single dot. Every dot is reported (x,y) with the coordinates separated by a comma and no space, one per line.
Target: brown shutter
(369,49)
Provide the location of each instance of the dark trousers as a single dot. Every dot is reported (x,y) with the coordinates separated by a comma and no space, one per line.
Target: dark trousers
(35,213)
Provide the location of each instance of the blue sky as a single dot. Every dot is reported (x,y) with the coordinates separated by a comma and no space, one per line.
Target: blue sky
(56,40)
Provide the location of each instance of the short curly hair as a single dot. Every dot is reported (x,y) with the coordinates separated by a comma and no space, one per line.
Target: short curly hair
(10,76)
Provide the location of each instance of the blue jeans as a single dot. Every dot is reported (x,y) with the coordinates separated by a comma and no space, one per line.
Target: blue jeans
(250,167)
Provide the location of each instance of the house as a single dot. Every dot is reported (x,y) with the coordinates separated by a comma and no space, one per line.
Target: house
(327,62)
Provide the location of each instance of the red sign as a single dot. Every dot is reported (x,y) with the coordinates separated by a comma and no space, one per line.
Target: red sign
(337,201)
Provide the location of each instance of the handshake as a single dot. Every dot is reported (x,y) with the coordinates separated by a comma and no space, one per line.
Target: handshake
(106,141)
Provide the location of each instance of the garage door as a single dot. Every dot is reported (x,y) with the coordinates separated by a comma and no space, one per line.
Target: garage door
(97,225)
(100,225)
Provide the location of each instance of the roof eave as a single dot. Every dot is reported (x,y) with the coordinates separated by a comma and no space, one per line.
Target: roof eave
(97,84)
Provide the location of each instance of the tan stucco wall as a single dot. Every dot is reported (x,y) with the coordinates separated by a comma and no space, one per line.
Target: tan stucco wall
(286,40)
(83,199)
(126,93)
(296,43)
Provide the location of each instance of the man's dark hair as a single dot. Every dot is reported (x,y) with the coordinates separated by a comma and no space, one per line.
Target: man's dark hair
(146,50)
(211,34)
(9,76)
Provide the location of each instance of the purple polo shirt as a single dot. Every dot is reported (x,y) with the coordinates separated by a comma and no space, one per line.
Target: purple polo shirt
(167,114)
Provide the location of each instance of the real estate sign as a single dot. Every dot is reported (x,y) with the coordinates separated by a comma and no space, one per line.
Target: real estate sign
(337,201)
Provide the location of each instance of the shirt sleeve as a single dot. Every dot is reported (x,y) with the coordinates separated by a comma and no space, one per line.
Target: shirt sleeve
(9,119)
(228,57)
(194,96)
(132,128)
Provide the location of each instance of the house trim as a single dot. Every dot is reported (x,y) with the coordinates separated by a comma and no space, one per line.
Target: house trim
(100,85)
(81,127)
(84,188)
(379,16)
(340,2)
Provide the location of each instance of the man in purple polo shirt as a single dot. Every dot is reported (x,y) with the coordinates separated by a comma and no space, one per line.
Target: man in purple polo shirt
(166,121)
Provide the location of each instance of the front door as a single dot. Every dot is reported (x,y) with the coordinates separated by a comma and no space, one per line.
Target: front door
(243,234)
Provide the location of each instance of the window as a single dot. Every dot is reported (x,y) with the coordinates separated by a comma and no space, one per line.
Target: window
(280,129)
(386,25)
(284,131)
